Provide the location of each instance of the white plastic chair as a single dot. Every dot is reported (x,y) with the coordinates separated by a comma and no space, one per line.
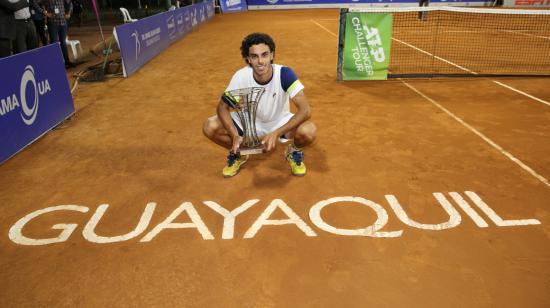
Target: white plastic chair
(126,15)
(74,44)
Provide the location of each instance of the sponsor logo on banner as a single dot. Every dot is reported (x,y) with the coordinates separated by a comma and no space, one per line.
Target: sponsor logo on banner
(187,17)
(194,21)
(171,24)
(210,11)
(144,39)
(135,35)
(151,37)
(28,100)
(202,13)
(180,23)
(228,6)
(367,46)
(34,97)
(532,2)
(272,1)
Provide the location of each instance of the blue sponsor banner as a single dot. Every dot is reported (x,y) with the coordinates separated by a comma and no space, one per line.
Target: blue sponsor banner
(34,97)
(144,39)
(229,6)
(285,4)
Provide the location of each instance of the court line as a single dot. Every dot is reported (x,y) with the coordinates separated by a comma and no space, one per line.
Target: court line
(322,27)
(438,58)
(521,92)
(526,34)
(318,24)
(468,126)
(481,135)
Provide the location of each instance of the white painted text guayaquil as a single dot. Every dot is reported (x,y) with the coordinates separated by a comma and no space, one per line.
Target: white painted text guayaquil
(372,230)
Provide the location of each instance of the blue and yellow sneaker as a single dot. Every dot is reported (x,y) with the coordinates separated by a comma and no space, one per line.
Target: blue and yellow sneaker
(295,159)
(234,163)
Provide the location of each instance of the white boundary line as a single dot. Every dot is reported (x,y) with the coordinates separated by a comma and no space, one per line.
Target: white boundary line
(438,58)
(468,126)
(332,33)
(521,92)
(481,135)
(322,27)
(526,34)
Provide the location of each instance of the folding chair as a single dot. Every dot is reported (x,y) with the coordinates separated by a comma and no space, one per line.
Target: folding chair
(75,46)
(126,15)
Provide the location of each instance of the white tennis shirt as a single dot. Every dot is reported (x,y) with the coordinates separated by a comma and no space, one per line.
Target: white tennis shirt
(274,108)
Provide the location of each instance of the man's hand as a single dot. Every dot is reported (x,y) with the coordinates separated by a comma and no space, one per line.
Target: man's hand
(237,140)
(270,141)
(67,16)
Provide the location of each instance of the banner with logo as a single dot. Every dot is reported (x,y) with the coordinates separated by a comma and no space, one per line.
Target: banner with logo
(367,43)
(34,97)
(298,4)
(144,39)
(230,6)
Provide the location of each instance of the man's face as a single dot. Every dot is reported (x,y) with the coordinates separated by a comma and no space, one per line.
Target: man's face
(260,57)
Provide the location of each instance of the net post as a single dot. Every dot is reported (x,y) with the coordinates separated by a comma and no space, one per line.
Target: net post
(341,38)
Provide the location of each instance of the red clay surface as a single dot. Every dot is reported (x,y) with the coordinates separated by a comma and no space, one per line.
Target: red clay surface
(139,140)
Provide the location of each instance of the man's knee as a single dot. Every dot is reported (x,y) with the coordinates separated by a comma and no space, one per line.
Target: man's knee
(210,126)
(306,133)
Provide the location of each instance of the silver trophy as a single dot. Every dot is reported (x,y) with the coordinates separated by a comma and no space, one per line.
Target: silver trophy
(245,102)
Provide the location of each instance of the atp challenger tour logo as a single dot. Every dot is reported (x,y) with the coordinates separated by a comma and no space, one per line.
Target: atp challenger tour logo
(367,46)
(469,202)
(370,37)
(27,102)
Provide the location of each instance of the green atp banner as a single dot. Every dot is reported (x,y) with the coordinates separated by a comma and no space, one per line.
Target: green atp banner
(367,46)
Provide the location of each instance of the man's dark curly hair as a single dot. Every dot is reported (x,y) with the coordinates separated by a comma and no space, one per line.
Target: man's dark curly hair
(255,39)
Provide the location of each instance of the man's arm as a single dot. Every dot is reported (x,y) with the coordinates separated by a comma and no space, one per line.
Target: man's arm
(224,115)
(36,6)
(68,8)
(303,113)
(15,6)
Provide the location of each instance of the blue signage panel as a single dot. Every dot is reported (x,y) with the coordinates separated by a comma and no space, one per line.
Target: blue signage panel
(144,39)
(34,97)
(229,6)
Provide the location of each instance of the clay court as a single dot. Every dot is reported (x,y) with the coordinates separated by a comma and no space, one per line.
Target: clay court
(137,142)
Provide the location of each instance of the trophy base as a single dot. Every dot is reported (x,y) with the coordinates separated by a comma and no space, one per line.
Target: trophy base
(249,151)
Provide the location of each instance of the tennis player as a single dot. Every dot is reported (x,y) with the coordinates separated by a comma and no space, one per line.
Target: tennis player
(274,121)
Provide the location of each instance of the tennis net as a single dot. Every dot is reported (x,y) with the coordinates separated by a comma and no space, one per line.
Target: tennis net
(453,41)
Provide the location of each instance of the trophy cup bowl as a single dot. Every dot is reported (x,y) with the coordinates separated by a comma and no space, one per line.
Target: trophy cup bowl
(245,103)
